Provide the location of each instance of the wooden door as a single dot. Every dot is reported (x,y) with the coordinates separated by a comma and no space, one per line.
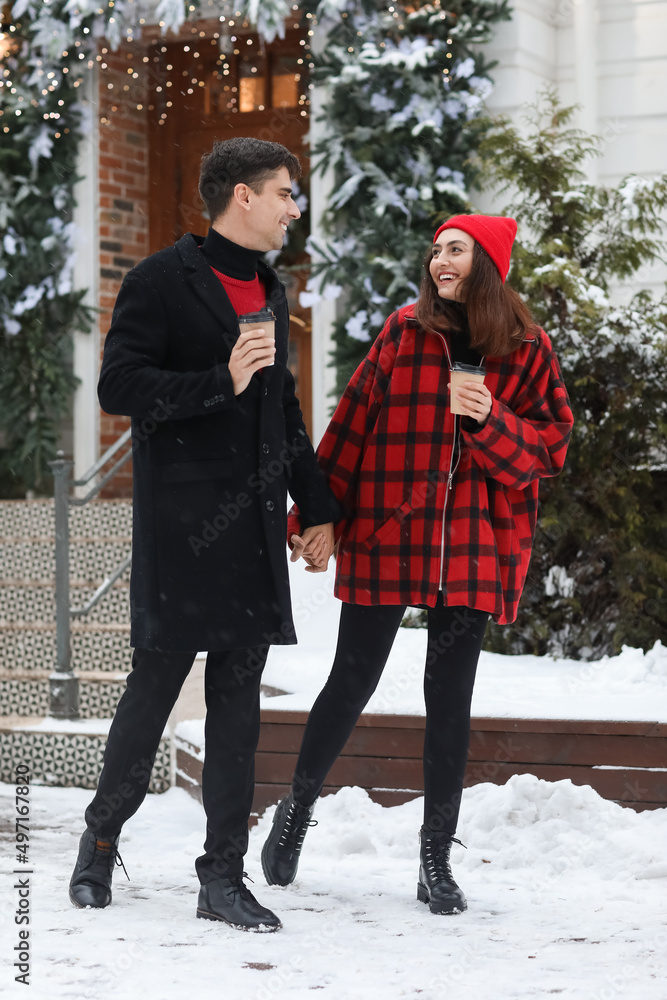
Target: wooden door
(206,89)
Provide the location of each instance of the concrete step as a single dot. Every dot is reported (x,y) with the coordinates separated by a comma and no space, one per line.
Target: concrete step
(20,518)
(23,605)
(35,518)
(103,647)
(100,538)
(31,561)
(26,693)
(68,754)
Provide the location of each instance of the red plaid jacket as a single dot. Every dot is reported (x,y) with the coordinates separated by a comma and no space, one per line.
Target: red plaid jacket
(433,501)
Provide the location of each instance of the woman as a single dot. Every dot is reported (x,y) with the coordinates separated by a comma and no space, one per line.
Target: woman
(440,512)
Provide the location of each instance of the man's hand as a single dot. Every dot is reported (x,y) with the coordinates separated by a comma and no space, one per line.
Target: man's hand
(252,351)
(316,545)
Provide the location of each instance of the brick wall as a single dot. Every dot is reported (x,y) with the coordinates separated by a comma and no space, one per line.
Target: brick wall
(123,196)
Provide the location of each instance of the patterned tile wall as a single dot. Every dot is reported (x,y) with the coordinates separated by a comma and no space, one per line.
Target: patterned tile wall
(30,696)
(69,759)
(100,538)
(34,648)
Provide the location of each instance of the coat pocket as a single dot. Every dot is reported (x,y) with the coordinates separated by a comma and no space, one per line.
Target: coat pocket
(190,472)
(503,524)
(388,527)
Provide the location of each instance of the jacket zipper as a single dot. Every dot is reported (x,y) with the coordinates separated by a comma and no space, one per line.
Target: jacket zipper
(450,475)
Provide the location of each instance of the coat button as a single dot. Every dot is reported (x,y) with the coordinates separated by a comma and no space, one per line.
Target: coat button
(266,390)
(270,505)
(265,448)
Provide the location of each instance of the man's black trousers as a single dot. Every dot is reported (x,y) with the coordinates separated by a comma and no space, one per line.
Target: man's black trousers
(231,686)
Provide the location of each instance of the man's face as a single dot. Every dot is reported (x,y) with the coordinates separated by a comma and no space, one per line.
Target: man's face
(269,213)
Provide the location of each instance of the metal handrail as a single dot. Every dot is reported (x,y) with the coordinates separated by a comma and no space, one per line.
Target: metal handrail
(101,462)
(63,682)
(102,589)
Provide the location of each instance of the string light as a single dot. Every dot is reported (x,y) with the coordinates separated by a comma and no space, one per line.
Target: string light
(223,70)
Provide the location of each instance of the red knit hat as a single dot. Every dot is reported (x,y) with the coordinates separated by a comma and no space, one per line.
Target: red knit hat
(495,233)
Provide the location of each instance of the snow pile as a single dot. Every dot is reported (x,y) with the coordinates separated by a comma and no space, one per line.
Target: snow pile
(542,829)
(566,897)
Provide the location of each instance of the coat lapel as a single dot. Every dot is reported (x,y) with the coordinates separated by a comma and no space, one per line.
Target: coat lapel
(205,284)
(210,290)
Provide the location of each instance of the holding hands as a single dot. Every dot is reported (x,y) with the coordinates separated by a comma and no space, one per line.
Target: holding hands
(316,545)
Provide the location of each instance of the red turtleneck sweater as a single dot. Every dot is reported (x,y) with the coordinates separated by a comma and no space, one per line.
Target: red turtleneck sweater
(245,296)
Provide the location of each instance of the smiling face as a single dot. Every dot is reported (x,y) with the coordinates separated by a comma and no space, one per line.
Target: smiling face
(263,218)
(451,262)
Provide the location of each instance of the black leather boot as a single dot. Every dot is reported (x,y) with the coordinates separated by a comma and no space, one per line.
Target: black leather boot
(230,900)
(90,884)
(436,884)
(280,854)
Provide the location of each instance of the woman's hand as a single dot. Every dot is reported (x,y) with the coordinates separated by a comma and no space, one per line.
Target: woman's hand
(316,545)
(474,400)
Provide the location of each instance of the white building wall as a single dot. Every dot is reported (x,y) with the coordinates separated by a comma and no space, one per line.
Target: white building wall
(324,311)
(610,57)
(86,411)
(525,50)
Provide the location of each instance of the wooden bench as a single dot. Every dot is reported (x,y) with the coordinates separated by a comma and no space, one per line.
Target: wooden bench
(623,761)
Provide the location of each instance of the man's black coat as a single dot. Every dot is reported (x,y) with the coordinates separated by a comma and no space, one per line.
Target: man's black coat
(211,469)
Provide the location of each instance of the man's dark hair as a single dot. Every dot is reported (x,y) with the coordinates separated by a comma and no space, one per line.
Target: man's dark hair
(240,161)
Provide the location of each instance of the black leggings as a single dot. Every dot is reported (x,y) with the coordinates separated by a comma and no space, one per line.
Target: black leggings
(365,638)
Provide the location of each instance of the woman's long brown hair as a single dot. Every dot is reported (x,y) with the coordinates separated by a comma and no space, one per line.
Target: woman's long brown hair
(498,319)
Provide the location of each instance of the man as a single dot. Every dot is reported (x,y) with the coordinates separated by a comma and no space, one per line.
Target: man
(218,437)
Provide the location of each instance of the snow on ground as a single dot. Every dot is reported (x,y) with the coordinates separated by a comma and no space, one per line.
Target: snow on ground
(567,891)
(630,686)
(566,896)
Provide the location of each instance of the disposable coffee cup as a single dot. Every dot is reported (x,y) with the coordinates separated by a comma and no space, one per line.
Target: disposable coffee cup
(459,374)
(264,319)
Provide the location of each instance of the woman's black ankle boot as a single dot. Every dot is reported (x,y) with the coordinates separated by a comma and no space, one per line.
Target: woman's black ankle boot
(436,884)
(280,854)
